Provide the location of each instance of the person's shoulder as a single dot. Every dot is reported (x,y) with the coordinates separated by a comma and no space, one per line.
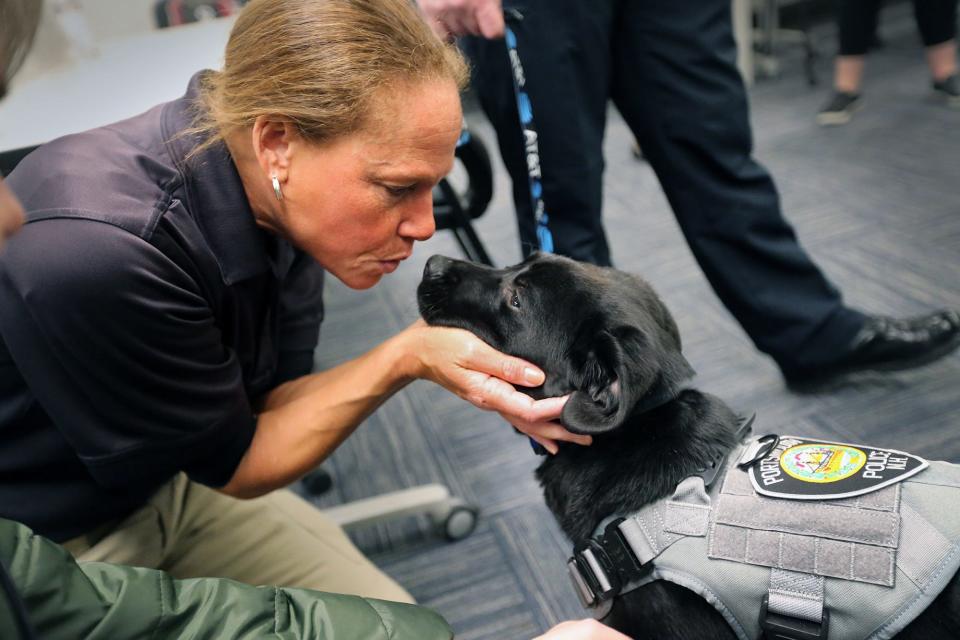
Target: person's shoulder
(82,263)
(120,173)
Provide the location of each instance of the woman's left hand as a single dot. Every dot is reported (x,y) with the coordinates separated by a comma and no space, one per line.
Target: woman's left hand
(464,364)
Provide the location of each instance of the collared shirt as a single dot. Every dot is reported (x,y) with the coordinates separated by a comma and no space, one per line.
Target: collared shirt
(143,313)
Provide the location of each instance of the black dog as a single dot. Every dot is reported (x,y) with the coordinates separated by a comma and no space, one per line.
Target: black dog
(605,337)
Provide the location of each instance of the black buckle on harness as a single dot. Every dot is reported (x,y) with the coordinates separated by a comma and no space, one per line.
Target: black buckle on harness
(593,574)
(780,627)
(600,568)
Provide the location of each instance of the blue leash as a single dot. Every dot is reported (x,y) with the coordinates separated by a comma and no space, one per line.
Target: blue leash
(532,150)
(530,138)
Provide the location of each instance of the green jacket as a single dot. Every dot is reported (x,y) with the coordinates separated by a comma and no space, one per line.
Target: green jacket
(93,600)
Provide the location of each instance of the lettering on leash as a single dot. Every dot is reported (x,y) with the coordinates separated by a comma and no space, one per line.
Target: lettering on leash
(533,154)
(517,68)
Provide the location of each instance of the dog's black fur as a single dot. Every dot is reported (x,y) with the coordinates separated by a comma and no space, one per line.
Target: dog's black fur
(605,337)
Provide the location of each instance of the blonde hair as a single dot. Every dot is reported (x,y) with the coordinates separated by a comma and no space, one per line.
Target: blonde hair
(318,64)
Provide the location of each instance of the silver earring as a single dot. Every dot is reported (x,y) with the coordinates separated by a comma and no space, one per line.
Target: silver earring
(276,187)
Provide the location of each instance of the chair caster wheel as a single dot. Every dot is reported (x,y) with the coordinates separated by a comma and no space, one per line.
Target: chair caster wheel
(458,522)
(317,482)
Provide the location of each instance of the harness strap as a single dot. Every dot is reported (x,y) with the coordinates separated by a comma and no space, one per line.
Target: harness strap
(793,607)
(922,547)
(688,511)
(610,562)
(615,559)
(795,594)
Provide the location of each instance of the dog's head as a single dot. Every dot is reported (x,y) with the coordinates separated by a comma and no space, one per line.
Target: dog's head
(600,334)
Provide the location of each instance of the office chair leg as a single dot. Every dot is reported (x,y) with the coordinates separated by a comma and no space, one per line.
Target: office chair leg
(452,516)
(470,245)
(462,228)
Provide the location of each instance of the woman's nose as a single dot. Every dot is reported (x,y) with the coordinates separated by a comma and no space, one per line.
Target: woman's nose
(418,223)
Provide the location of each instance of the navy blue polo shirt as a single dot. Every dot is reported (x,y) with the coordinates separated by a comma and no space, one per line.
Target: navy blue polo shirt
(143,314)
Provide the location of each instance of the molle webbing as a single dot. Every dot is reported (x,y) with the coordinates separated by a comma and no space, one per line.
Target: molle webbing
(850,538)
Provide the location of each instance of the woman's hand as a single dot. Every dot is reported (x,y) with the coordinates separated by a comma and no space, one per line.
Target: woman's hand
(466,365)
(582,630)
(452,18)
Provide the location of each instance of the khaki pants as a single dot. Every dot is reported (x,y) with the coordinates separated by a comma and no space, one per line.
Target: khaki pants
(192,531)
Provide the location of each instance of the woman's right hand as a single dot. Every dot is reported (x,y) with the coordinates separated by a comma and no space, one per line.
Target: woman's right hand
(462,363)
(587,629)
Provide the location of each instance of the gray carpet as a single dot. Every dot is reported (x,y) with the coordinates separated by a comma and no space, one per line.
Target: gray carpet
(875,202)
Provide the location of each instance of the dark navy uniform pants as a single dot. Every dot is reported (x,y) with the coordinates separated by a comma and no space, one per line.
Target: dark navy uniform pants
(669,67)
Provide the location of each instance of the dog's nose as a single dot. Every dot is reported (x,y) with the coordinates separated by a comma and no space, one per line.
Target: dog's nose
(438,267)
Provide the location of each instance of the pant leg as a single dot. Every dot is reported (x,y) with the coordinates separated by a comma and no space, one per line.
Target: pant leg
(677,86)
(564,48)
(936,20)
(136,540)
(857,25)
(192,531)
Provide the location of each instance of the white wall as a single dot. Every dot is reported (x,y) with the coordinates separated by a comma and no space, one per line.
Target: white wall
(105,19)
(111,18)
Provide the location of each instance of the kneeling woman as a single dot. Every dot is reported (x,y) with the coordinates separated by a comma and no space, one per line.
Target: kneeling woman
(160,308)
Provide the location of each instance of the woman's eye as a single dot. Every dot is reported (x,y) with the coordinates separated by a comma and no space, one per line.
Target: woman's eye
(515,300)
(399,192)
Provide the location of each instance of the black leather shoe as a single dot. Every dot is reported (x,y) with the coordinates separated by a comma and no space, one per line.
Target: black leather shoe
(888,344)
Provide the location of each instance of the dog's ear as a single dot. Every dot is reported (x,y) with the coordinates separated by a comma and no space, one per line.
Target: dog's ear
(617,372)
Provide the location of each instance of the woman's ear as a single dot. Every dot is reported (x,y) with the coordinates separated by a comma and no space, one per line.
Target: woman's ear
(273,142)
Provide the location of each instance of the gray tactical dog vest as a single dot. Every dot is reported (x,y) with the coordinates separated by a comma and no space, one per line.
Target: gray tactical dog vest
(853,567)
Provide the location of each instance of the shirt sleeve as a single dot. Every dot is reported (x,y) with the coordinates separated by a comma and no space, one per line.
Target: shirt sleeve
(301,312)
(66,599)
(123,353)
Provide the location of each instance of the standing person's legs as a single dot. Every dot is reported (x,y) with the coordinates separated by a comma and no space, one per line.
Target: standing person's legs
(857,22)
(564,49)
(677,85)
(937,23)
(192,531)
(856,31)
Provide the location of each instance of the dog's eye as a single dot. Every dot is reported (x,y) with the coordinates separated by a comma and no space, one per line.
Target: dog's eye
(515,300)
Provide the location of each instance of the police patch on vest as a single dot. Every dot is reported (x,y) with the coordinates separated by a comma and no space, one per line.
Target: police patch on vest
(805,469)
